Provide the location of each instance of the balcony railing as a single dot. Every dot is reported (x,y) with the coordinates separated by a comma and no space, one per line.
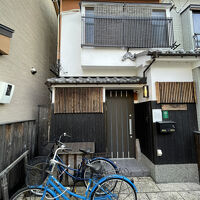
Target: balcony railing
(196,40)
(130,32)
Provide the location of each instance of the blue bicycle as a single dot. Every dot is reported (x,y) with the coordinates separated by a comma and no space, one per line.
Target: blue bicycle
(83,172)
(109,187)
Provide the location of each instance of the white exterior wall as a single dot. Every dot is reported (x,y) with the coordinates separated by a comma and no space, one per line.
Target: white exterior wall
(169,72)
(110,58)
(77,61)
(165,71)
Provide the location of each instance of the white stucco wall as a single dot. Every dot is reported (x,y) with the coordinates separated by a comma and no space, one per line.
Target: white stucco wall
(162,71)
(77,61)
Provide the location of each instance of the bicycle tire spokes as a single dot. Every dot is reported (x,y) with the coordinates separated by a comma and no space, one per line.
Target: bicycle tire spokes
(115,189)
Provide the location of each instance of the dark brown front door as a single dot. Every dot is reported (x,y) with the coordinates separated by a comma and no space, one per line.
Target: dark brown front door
(120,127)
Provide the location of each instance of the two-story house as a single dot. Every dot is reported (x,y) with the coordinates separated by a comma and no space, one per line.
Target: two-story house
(127,70)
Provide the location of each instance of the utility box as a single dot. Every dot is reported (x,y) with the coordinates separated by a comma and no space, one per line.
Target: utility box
(6,92)
(166,127)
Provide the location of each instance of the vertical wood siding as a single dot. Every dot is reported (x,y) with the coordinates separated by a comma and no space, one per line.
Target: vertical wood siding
(175,92)
(15,139)
(83,127)
(178,147)
(78,100)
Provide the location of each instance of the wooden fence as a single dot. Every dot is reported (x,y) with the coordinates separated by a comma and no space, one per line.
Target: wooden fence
(15,139)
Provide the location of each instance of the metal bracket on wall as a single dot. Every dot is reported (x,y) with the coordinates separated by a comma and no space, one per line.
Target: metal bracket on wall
(129,55)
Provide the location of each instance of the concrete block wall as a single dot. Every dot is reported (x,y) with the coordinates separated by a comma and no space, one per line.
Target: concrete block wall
(33,45)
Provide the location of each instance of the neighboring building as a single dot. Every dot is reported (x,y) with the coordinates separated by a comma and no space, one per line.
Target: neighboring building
(32,46)
(123,67)
(28,40)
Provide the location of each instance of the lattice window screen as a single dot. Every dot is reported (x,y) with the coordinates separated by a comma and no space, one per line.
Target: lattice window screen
(137,32)
(119,32)
(175,92)
(109,28)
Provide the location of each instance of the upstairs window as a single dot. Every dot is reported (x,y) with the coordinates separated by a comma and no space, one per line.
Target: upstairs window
(196,25)
(89,25)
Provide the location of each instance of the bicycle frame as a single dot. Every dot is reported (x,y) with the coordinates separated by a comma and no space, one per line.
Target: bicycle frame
(62,169)
(79,172)
(58,187)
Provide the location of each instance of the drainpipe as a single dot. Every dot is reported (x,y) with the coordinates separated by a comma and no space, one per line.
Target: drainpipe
(147,68)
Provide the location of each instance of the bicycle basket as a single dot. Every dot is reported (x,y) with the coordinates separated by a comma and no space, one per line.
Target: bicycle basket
(36,175)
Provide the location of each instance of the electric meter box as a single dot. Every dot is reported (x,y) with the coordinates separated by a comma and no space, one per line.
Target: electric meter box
(6,92)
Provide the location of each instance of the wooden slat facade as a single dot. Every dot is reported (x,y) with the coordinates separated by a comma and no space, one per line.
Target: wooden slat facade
(175,92)
(78,100)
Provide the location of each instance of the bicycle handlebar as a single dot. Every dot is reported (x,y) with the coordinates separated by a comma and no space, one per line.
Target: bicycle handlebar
(54,161)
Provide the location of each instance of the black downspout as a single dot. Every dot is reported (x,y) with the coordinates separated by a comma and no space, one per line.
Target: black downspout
(144,72)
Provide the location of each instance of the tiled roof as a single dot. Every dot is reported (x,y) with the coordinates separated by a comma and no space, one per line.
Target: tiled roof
(97,80)
(171,52)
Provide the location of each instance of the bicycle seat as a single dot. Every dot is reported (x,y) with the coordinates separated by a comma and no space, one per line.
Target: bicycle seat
(95,167)
(85,151)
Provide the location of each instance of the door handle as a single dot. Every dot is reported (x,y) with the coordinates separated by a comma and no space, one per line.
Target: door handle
(130,127)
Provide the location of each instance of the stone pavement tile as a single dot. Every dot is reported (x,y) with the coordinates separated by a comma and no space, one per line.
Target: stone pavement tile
(173,187)
(144,179)
(164,196)
(146,186)
(193,186)
(192,195)
(142,196)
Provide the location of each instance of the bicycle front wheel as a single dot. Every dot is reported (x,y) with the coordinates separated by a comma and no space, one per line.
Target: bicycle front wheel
(107,169)
(114,188)
(31,193)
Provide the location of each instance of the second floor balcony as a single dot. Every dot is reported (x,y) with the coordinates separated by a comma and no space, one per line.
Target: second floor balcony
(127,31)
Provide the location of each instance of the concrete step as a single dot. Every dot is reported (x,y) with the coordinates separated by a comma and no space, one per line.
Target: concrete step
(131,167)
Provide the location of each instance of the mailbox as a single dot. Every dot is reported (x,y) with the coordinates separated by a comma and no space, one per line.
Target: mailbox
(166,127)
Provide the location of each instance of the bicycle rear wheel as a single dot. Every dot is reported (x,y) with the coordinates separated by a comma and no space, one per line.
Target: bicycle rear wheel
(107,169)
(31,193)
(114,188)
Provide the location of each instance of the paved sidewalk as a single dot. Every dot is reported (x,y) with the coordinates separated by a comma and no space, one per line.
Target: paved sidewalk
(149,190)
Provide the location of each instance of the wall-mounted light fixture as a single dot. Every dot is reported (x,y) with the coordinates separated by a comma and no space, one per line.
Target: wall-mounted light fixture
(146,91)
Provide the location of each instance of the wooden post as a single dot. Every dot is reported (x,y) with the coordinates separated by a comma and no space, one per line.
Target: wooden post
(4,185)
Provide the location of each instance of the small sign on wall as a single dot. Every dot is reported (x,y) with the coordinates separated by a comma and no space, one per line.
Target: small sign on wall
(165,114)
(157,115)
(174,107)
